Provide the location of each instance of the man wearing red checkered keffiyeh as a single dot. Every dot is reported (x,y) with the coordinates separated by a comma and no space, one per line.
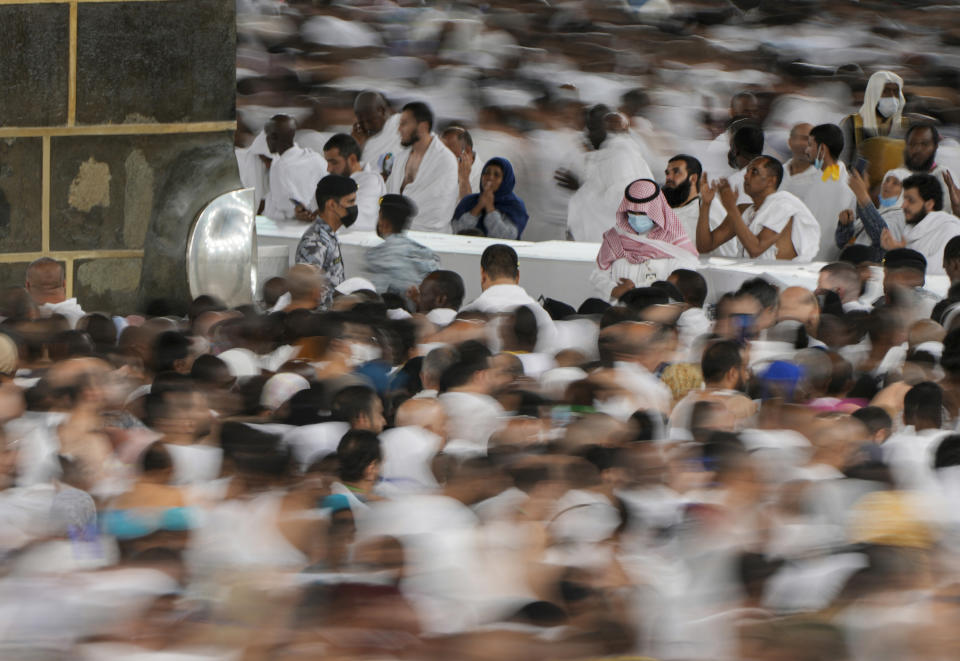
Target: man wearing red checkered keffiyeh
(629,258)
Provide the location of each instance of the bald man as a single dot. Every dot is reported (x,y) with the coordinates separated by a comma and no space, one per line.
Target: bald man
(294,173)
(409,448)
(46,284)
(799,173)
(307,287)
(799,304)
(376,131)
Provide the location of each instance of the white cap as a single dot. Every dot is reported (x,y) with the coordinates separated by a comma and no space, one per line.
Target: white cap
(351,285)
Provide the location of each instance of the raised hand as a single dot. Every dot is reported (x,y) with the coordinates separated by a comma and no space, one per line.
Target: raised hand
(845,217)
(728,194)
(707,190)
(890,243)
(953,190)
(860,187)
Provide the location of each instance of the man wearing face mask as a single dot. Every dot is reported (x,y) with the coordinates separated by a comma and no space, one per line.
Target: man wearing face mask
(647,243)
(828,195)
(337,207)
(880,116)
(681,189)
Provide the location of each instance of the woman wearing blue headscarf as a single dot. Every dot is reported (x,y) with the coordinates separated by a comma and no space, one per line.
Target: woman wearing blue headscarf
(495,211)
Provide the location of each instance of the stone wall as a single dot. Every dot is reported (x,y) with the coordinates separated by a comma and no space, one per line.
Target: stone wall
(106,111)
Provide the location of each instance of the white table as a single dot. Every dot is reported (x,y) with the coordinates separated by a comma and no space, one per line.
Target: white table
(554,269)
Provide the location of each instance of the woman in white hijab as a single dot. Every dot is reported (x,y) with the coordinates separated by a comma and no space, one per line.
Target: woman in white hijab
(880,116)
(872,219)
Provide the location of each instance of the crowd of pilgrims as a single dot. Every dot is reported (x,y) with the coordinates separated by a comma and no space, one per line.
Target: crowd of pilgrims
(768,477)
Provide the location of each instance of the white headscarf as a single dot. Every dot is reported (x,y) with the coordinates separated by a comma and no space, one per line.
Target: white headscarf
(900,174)
(871,97)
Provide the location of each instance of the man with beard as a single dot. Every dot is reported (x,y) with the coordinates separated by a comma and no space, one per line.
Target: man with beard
(343,158)
(399,262)
(681,188)
(376,131)
(294,173)
(777,225)
(425,171)
(928,227)
(337,207)
(920,156)
(611,162)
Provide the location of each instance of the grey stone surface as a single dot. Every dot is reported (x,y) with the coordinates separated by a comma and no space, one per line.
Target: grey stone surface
(105,189)
(169,61)
(107,285)
(34,57)
(13,275)
(189,183)
(21,170)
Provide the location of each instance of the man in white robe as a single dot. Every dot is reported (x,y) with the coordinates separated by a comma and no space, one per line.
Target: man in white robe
(799,175)
(920,157)
(614,162)
(343,158)
(499,275)
(426,171)
(252,162)
(553,148)
(294,173)
(828,194)
(928,227)
(681,188)
(377,132)
(776,225)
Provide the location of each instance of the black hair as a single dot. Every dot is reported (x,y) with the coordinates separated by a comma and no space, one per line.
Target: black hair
(421,112)
(951,251)
(928,187)
(500,261)
(460,373)
(923,125)
(765,293)
(209,370)
(204,303)
(168,348)
(525,327)
(345,144)
(640,298)
(718,359)
(874,418)
(356,451)
(948,452)
(101,330)
(830,136)
(774,167)
(924,402)
(692,285)
(155,458)
(693,165)
(451,284)
(748,140)
(397,210)
(352,402)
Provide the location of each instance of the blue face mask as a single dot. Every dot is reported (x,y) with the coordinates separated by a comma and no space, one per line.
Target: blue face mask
(640,223)
(818,161)
(886,202)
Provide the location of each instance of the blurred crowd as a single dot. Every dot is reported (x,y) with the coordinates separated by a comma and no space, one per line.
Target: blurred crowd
(378,467)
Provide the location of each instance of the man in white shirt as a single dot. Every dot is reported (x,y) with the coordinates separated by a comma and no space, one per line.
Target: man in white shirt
(473,415)
(920,157)
(294,173)
(343,158)
(46,284)
(499,275)
(426,171)
(928,227)
(828,195)
(376,131)
(681,188)
(798,173)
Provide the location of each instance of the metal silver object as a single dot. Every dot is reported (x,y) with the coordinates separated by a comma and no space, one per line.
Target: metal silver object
(222,249)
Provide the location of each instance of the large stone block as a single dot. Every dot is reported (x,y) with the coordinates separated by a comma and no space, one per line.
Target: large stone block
(34,43)
(106,284)
(13,275)
(104,189)
(21,173)
(192,180)
(169,61)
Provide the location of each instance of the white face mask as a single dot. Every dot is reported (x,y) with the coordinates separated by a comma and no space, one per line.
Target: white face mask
(361,353)
(888,106)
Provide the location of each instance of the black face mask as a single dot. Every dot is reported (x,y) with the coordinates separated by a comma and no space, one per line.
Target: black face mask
(351,216)
(678,195)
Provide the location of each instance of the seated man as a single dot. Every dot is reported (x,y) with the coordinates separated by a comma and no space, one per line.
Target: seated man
(294,173)
(426,171)
(399,262)
(928,227)
(343,158)
(499,280)
(681,188)
(46,284)
(776,226)
(439,297)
